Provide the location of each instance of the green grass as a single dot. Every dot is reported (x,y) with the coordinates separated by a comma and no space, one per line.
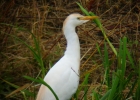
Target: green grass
(120,79)
(98,23)
(38,57)
(35,50)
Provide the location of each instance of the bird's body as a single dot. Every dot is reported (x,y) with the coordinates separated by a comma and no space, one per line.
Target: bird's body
(63,77)
(65,81)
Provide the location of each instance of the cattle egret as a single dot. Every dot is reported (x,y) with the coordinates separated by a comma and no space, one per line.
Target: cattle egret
(63,77)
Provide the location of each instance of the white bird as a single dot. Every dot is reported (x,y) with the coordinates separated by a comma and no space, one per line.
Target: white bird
(63,77)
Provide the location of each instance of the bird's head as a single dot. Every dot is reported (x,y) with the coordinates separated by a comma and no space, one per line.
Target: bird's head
(77,19)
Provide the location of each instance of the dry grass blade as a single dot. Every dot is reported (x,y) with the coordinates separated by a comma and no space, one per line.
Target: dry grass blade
(18,90)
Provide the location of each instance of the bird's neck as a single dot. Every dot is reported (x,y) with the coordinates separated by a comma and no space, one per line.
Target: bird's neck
(73,46)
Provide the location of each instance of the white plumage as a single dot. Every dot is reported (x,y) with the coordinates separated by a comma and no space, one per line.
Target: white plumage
(63,77)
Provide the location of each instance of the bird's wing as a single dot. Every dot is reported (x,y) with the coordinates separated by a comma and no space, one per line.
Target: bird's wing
(62,80)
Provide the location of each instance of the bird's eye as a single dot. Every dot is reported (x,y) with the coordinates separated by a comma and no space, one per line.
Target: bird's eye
(78,18)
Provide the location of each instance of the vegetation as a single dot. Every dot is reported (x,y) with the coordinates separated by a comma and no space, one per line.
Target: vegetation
(32,41)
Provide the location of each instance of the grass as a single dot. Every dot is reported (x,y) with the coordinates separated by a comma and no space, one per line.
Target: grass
(119,79)
(110,66)
(120,84)
(38,57)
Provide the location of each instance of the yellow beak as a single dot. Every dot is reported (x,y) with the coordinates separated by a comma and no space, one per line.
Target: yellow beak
(88,17)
